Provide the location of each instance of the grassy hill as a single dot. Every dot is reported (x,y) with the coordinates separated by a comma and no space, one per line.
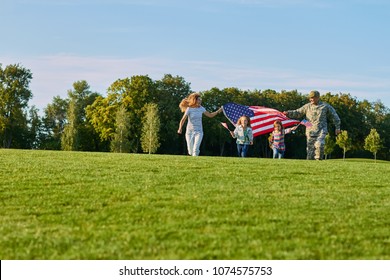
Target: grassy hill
(74,205)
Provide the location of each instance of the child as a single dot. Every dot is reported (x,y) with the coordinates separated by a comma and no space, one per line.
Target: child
(277,139)
(244,135)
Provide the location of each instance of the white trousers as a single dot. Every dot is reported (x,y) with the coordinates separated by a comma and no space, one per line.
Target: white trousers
(194,139)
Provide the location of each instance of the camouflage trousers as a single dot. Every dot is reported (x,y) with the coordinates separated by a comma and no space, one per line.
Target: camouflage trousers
(315,146)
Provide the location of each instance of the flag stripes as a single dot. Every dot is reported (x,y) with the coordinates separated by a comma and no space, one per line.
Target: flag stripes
(262,118)
(306,123)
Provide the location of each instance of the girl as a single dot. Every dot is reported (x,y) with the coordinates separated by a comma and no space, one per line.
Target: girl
(193,110)
(244,135)
(277,139)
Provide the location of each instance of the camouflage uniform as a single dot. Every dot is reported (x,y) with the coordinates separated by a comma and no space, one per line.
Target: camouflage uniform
(317,116)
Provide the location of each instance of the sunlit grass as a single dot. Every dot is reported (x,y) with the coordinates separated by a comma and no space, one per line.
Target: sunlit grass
(71,205)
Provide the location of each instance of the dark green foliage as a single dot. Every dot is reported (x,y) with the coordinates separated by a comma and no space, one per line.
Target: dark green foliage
(170,91)
(14,97)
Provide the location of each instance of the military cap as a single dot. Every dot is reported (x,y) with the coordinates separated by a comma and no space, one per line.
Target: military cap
(314,93)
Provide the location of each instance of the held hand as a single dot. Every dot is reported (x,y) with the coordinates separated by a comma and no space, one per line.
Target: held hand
(294,127)
(232,133)
(338,131)
(250,143)
(285,113)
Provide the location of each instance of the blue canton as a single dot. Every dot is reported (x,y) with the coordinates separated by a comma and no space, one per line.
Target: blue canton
(235,111)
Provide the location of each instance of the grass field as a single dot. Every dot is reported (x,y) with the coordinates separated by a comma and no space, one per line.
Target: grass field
(74,205)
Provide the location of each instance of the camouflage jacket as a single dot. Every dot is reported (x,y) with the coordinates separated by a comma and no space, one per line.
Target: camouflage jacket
(317,115)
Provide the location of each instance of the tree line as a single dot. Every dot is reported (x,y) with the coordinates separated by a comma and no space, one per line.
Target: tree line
(116,122)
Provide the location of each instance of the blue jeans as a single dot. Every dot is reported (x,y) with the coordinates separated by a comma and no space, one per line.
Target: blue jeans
(278,153)
(242,149)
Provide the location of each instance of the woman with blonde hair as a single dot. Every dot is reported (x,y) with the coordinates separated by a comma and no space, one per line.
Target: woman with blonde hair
(193,111)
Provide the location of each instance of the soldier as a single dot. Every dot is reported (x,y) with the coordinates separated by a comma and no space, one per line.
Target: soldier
(316,113)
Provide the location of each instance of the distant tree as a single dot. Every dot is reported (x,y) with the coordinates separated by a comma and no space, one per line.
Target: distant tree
(373,142)
(69,139)
(216,141)
(34,128)
(14,97)
(141,90)
(53,123)
(120,142)
(150,129)
(170,90)
(347,107)
(85,136)
(101,114)
(329,145)
(344,142)
(382,126)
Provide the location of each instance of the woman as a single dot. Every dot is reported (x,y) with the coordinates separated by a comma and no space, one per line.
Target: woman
(193,110)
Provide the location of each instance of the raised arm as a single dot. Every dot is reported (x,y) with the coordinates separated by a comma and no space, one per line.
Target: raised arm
(213,114)
(289,130)
(298,113)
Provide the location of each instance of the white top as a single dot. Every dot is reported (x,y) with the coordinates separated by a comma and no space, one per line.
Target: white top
(195,118)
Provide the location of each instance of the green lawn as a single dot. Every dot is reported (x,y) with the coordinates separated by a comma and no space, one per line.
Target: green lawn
(73,205)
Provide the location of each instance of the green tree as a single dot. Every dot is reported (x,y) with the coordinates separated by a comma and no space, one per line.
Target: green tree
(101,115)
(84,135)
(373,142)
(53,123)
(216,138)
(14,97)
(133,93)
(140,91)
(382,125)
(344,142)
(69,138)
(170,90)
(34,128)
(120,142)
(349,112)
(150,130)
(329,145)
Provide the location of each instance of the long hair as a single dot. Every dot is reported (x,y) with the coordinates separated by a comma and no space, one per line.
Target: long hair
(189,101)
(242,118)
(278,122)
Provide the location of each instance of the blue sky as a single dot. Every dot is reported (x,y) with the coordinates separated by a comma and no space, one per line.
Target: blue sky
(332,46)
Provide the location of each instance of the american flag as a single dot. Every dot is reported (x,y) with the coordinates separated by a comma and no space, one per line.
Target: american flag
(262,118)
(225,125)
(306,123)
